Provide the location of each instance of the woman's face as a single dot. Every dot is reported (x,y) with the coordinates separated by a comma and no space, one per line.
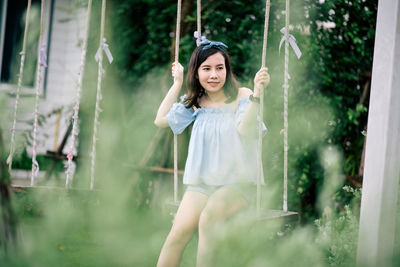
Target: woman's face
(212,73)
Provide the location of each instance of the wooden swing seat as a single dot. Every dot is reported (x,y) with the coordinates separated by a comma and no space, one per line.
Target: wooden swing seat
(27,189)
(266,215)
(158,169)
(278,214)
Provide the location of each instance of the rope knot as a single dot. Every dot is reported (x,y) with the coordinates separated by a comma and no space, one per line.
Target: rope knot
(35,169)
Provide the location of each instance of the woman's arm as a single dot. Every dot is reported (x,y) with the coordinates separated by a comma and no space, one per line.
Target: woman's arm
(172,95)
(249,120)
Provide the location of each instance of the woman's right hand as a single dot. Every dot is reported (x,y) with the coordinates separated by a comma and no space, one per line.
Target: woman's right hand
(171,97)
(177,73)
(261,80)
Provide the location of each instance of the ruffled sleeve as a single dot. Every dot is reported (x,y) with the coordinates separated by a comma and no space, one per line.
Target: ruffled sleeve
(243,104)
(179,117)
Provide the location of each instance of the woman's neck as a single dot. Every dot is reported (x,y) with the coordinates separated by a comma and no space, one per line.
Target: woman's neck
(216,97)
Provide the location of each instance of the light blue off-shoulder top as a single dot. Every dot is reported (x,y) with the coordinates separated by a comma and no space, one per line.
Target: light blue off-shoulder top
(218,154)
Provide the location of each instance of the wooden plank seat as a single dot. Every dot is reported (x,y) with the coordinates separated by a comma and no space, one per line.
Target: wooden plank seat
(172,207)
(157,169)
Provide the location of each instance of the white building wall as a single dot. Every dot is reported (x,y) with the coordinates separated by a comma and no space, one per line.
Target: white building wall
(67,34)
(65,54)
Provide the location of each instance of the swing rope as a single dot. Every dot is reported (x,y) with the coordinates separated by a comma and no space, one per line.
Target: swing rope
(19,86)
(40,63)
(285,110)
(199,17)
(289,40)
(99,58)
(261,110)
(177,35)
(69,173)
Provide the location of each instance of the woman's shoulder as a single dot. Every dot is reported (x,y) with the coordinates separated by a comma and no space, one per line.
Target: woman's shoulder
(244,92)
(243,97)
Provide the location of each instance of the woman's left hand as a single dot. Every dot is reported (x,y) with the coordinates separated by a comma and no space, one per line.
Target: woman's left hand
(261,80)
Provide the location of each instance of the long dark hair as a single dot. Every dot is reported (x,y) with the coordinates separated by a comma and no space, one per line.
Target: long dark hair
(194,88)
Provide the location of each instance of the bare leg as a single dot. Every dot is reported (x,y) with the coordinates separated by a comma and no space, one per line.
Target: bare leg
(184,226)
(220,206)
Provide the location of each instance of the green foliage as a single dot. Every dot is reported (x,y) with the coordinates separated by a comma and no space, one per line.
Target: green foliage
(24,162)
(344,63)
(338,233)
(339,238)
(143,30)
(338,70)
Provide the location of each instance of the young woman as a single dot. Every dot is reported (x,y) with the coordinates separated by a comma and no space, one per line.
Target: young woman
(221,167)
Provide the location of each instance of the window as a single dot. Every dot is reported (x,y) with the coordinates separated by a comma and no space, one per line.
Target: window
(13,15)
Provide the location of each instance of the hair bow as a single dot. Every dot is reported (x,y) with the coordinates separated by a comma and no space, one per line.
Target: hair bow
(198,38)
(208,44)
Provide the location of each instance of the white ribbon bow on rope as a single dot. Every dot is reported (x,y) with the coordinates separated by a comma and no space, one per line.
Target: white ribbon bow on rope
(9,159)
(35,169)
(43,56)
(292,42)
(104,46)
(199,38)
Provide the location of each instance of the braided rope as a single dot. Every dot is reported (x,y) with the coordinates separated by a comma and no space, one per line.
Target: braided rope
(98,96)
(19,86)
(35,164)
(178,29)
(177,36)
(261,111)
(264,49)
(199,17)
(285,111)
(69,173)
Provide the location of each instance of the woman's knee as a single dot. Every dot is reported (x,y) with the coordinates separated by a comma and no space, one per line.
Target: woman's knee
(210,217)
(187,218)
